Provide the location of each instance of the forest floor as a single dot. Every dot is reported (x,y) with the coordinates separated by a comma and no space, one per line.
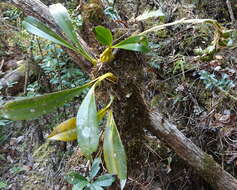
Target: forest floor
(194,88)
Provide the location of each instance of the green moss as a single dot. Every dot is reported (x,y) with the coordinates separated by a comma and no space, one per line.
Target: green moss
(210,170)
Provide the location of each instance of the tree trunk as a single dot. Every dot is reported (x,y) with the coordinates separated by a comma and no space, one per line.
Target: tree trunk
(132,115)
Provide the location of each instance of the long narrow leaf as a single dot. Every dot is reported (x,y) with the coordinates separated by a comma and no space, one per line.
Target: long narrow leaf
(63,20)
(36,27)
(87,124)
(32,107)
(114,152)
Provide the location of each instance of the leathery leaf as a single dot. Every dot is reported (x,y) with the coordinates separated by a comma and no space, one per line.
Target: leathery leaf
(133,43)
(87,124)
(103,35)
(36,27)
(32,107)
(66,131)
(114,152)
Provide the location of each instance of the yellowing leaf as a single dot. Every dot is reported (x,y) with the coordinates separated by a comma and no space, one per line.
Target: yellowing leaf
(66,131)
(103,111)
(114,152)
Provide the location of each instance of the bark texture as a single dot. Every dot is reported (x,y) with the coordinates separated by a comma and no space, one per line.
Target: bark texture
(203,163)
(131,111)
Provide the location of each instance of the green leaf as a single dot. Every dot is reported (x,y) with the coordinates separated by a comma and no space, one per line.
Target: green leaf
(36,27)
(63,20)
(95,187)
(105,180)
(77,180)
(95,168)
(29,108)
(114,152)
(134,43)
(87,124)
(32,107)
(103,35)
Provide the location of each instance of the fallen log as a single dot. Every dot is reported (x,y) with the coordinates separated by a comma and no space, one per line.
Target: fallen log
(203,163)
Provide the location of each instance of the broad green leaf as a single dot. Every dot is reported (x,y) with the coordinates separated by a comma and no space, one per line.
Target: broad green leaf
(134,43)
(36,27)
(95,168)
(103,35)
(95,187)
(149,14)
(105,180)
(87,124)
(114,152)
(65,131)
(32,107)
(77,180)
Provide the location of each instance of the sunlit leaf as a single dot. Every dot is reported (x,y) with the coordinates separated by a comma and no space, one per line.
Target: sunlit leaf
(103,35)
(65,131)
(134,43)
(105,180)
(63,20)
(114,152)
(87,124)
(36,27)
(95,168)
